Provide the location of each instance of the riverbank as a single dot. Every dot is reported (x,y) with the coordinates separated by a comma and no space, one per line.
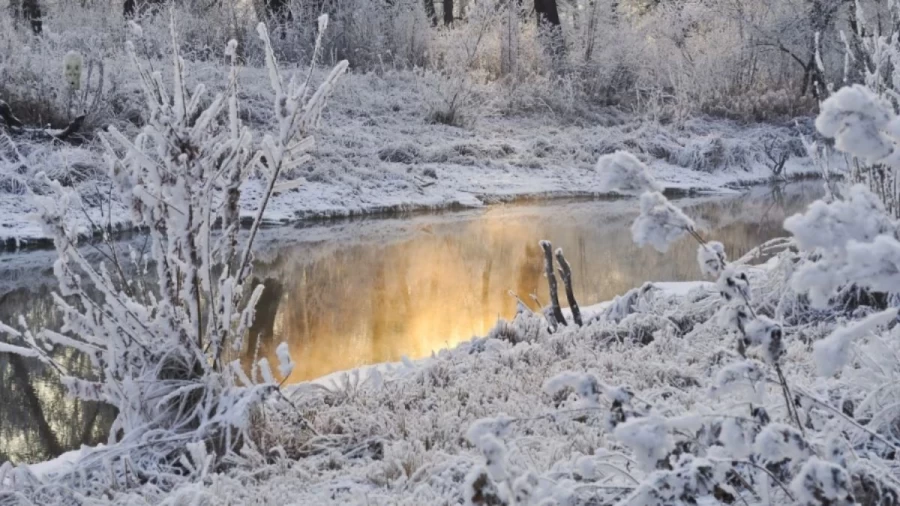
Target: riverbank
(345,293)
(401,434)
(592,414)
(379,152)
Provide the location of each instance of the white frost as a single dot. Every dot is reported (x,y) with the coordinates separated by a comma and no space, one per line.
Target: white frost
(660,222)
(623,172)
(285,364)
(832,353)
(648,438)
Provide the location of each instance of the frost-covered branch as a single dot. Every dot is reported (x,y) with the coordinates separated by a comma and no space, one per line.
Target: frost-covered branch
(157,353)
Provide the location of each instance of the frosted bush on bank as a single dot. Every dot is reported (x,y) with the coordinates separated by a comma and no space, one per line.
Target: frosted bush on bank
(773,443)
(162,354)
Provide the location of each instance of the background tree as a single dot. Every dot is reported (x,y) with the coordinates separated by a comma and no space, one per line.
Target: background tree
(448,12)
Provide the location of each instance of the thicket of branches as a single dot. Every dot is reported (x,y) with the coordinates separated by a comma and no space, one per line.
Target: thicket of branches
(162,352)
(836,279)
(159,353)
(750,59)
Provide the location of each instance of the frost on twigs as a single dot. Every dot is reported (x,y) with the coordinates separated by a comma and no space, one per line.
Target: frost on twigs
(860,216)
(285,363)
(855,245)
(648,438)
(748,372)
(158,354)
(72,69)
(693,481)
(765,334)
(734,285)
(586,386)
(623,172)
(833,352)
(778,442)
(856,118)
(712,259)
(660,223)
(820,482)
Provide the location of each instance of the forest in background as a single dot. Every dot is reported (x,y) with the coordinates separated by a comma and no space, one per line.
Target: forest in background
(666,59)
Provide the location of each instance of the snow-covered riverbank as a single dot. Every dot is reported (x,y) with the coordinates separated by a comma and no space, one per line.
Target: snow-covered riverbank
(397,433)
(378,152)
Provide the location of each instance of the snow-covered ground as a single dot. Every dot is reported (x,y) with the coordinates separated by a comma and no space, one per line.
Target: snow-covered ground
(379,152)
(400,434)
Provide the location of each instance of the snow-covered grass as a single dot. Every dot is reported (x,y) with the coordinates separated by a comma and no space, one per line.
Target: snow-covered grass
(398,434)
(378,152)
(381,148)
(776,385)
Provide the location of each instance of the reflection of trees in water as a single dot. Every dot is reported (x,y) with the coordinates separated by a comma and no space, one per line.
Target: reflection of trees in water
(38,420)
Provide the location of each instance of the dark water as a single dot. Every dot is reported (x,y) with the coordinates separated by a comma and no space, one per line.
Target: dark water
(366,291)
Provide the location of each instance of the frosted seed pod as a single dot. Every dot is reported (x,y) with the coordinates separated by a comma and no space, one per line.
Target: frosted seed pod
(72,64)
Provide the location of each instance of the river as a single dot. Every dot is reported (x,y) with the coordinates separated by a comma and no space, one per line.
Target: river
(353,292)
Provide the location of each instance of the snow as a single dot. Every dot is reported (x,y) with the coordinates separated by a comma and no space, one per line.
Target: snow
(660,223)
(712,259)
(377,153)
(859,217)
(420,411)
(823,482)
(64,463)
(855,117)
(730,378)
(766,334)
(285,363)
(833,352)
(648,438)
(623,172)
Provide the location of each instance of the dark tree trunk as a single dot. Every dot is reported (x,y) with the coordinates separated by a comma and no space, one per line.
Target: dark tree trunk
(448,12)
(279,11)
(548,22)
(31,10)
(430,12)
(551,281)
(547,12)
(565,272)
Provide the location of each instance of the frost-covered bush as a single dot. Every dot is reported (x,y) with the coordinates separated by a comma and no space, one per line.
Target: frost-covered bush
(742,443)
(160,353)
(623,172)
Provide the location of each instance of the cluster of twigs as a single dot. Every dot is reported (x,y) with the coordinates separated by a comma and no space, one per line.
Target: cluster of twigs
(554,314)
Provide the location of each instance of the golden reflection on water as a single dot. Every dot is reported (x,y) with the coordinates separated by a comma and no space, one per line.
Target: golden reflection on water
(377,302)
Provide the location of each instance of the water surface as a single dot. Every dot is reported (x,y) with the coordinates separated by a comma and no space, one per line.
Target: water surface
(354,292)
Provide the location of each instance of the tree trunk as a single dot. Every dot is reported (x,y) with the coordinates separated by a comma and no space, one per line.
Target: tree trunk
(448,12)
(548,21)
(546,12)
(430,12)
(510,47)
(565,273)
(31,10)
